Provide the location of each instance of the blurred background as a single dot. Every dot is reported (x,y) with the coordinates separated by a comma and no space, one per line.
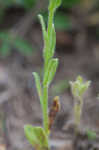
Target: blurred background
(21,44)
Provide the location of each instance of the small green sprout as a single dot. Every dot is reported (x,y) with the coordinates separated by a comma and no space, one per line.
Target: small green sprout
(78,88)
(38,136)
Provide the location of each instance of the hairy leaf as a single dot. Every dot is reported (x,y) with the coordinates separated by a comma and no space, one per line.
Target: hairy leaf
(50,72)
(38,85)
(52,42)
(43,27)
(37,137)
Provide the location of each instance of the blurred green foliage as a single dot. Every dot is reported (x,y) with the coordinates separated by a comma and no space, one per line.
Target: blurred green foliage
(6,39)
(60,87)
(62,19)
(69,3)
(23,3)
(9,42)
(91,134)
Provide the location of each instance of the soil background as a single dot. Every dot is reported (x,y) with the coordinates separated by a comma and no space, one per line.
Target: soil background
(78,53)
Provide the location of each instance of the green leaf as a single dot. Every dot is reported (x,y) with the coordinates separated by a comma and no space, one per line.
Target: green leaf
(43,27)
(58,3)
(49,47)
(54,4)
(38,85)
(45,37)
(52,43)
(37,137)
(50,71)
(84,87)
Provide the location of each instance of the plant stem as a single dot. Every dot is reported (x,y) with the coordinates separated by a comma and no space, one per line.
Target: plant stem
(77,111)
(45,87)
(45,108)
(49,35)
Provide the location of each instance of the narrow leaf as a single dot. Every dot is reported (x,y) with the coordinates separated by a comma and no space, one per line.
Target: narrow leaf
(58,3)
(46,53)
(45,37)
(50,46)
(37,137)
(54,4)
(53,42)
(38,85)
(50,72)
(43,27)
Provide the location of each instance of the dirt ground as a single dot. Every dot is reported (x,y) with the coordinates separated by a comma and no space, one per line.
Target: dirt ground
(78,55)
